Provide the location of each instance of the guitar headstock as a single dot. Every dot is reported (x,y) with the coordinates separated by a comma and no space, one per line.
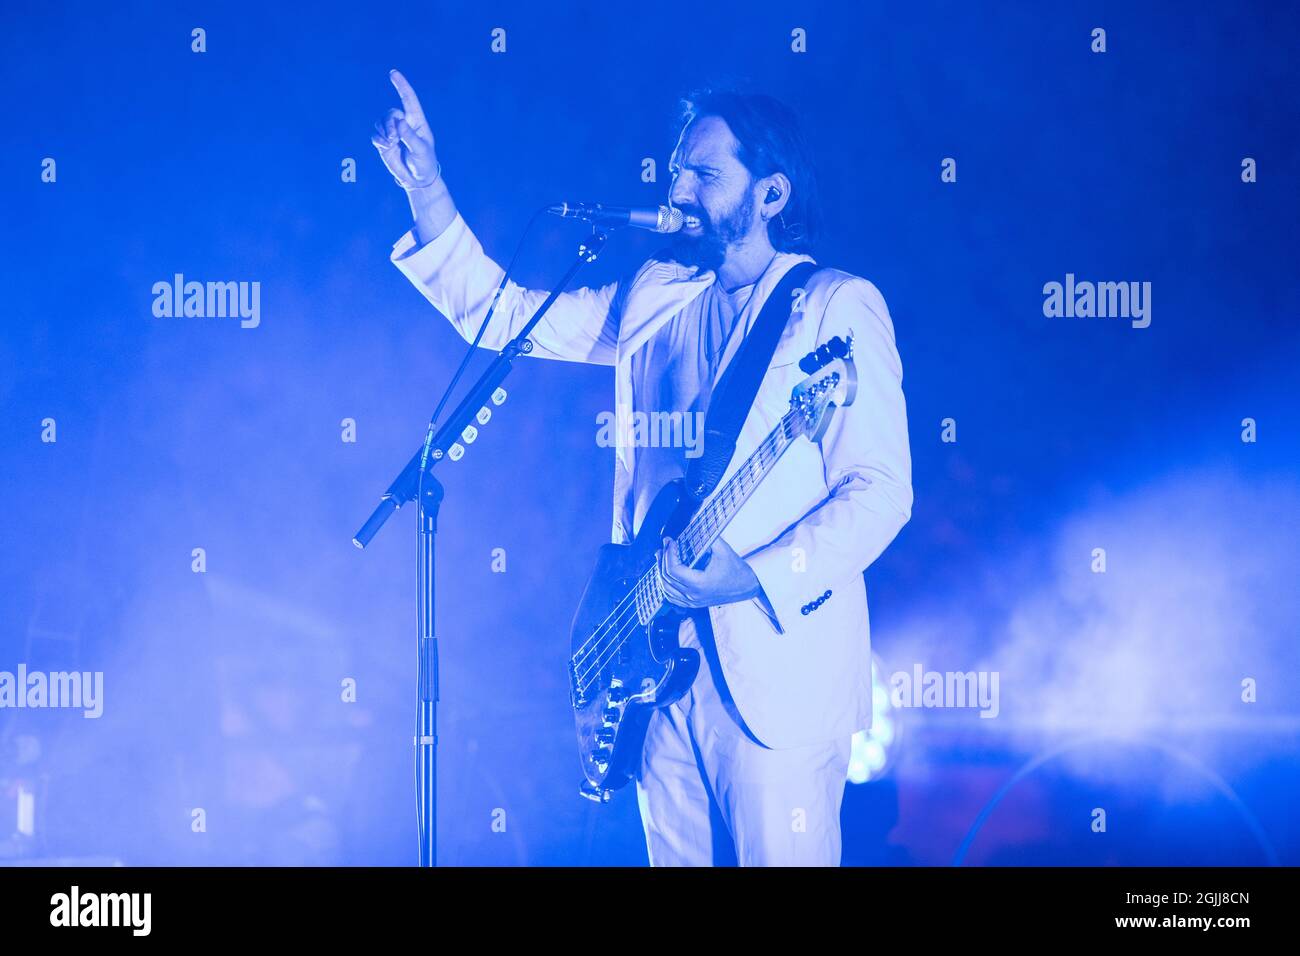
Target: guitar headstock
(832,383)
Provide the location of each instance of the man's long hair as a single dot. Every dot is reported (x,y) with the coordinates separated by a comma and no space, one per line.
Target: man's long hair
(771,140)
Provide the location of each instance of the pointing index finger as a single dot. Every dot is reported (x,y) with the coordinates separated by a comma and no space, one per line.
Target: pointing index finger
(410,102)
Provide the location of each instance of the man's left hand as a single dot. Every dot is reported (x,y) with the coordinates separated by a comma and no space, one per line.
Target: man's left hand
(724,579)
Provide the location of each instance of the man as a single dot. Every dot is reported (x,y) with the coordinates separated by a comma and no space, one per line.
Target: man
(750,765)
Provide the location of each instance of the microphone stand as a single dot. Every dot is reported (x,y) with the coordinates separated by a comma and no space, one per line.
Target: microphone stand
(416,480)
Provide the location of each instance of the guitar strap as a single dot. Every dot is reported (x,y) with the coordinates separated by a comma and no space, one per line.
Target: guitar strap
(734,396)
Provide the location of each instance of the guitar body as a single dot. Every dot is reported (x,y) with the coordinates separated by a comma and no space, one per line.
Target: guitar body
(617,685)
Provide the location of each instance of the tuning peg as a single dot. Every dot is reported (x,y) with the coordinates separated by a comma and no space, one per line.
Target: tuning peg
(484,414)
(456,452)
(499,396)
(815,360)
(469,434)
(827,352)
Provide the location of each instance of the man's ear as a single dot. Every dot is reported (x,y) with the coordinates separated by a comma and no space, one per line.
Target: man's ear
(776,193)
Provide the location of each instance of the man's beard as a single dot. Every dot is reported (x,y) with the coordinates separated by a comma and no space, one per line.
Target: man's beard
(708,250)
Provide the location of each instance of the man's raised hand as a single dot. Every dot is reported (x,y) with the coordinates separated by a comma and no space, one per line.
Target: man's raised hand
(404,140)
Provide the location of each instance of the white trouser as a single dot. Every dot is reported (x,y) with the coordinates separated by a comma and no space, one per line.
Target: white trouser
(710,794)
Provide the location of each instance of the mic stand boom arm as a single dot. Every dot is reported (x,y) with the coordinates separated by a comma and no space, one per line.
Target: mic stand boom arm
(405,486)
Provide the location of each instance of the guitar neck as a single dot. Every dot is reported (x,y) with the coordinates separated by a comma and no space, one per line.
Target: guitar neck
(712,519)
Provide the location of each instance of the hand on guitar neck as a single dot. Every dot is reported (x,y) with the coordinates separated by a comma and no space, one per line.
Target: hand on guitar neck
(722,577)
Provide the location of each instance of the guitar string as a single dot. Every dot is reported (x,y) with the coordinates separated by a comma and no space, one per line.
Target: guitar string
(694,536)
(628,627)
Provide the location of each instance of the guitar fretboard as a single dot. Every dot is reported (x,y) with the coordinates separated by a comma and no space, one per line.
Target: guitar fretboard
(717,512)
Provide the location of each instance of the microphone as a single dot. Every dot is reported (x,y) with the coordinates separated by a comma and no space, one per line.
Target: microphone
(658,219)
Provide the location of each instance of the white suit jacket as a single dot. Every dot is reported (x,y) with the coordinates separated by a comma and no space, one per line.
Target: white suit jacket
(824,513)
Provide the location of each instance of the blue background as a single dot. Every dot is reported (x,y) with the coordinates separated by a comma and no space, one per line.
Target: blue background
(222,689)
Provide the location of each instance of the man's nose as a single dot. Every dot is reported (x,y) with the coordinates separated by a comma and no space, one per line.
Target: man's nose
(679,195)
